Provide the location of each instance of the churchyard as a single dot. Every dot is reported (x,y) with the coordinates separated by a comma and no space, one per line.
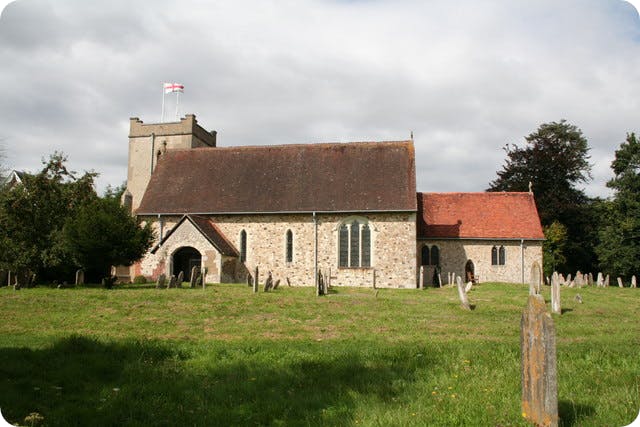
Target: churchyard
(224,355)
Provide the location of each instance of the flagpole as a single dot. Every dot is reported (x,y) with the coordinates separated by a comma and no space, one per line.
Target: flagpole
(162,117)
(177,103)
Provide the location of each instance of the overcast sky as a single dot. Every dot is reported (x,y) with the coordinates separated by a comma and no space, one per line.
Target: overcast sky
(466,76)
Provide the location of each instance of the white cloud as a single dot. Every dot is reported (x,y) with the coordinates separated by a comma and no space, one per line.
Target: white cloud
(466,77)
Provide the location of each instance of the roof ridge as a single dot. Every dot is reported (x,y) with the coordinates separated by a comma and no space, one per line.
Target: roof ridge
(294,145)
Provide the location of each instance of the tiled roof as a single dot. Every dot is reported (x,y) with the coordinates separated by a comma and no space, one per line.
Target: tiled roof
(362,176)
(478,215)
(209,230)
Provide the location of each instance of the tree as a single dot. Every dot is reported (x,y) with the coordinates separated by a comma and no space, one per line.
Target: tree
(102,233)
(555,159)
(619,247)
(553,247)
(33,213)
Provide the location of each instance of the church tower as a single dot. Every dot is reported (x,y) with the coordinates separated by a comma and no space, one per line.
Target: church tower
(148,141)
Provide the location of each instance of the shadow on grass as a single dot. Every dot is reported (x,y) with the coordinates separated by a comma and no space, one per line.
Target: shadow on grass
(571,413)
(81,381)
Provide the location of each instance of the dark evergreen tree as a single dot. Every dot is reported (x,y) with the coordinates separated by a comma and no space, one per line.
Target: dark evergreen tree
(555,160)
(619,247)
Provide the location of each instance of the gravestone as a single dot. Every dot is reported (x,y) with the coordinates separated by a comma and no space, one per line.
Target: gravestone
(161,281)
(193,278)
(606,281)
(179,279)
(620,285)
(268,284)
(600,280)
(538,363)
(555,276)
(578,298)
(468,287)
(275,285)
(561,279)
(249,280)
(579,279)
(535,279)
(255,280)
(79,277)
(172,282)
(203,277)
(590,280)
(288,282)
(555,297)
(421,278)
(464,301)
(568,281)
(439,280)
(633,282)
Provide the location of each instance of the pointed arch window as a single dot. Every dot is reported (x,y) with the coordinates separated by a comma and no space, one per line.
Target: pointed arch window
(424,259)
(289,256)
(243,246)
(354,244)
(435,255)
(494,255)
(502,255)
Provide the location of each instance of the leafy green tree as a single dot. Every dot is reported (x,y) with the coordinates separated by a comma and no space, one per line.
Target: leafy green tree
(102,233)
(555,159)
(33,213)
(619,247)
(554,246)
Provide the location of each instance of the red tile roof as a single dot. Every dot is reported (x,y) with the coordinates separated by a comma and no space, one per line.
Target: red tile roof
(362,176)
(478,215)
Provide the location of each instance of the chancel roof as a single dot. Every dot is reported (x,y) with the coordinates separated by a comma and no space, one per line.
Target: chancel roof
(208,229)
(333,177)
(478,215)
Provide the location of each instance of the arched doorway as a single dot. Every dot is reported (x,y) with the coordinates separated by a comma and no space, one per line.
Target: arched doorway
(469,271)
(184,259)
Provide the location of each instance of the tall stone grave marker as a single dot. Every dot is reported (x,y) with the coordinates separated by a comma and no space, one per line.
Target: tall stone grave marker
(255,280)
(620,285)
(606,281)
(161,281)
(633,282)
(555,297)
(421,278)
(79,277)
(538,362)
(600,280)
(180,279)
(535,279)
(464,301)
(194,277)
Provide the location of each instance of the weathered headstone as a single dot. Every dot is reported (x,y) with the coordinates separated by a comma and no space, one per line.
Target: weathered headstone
(600,280)
(561,280)
(590,281)
(421,278)
(288,282)
(555,276)
(172,282)
(620,284)
(255,280)
(180,279)
(249,280)
(633,282)
(193,278)
(572,284)
(535,279)
(579,279)
(606,281)
(203,277)
(555,297)
(275,285)
(439,280)
(538,363)
(161,281)
(578,298)
(79,277)
(268,284)
(464,301)
(568,281)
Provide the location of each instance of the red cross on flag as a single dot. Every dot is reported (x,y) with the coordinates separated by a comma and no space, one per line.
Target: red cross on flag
(173,87)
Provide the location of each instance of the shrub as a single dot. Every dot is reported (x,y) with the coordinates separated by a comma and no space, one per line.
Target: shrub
(140,280)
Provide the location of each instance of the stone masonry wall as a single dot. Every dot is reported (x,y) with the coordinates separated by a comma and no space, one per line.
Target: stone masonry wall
(455,253)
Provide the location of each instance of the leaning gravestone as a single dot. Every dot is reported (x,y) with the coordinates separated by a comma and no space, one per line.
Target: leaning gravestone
(535,279)
(268,284)
(633,282)
(464,301)
(538,363)
(555,297)
(193,279)
(180,279)
(620,284)
(468,287)
(161,281)
(79,277)
(275,285)
(606,281)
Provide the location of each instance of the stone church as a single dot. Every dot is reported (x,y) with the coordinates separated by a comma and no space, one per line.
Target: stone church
(348,210)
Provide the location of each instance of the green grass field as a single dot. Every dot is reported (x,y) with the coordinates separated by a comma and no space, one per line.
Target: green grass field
(226,356)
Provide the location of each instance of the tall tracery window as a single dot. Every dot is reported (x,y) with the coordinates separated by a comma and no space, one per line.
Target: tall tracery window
(425,255)
(243,246)
(435,255)
(354,243)
(289,256)
(498,255)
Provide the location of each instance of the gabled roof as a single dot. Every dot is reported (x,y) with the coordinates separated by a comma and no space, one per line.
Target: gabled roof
(335,177)
(478,215)
(208,229)
(15,177)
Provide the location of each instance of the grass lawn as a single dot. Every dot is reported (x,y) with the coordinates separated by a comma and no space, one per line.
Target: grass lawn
(226,356)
